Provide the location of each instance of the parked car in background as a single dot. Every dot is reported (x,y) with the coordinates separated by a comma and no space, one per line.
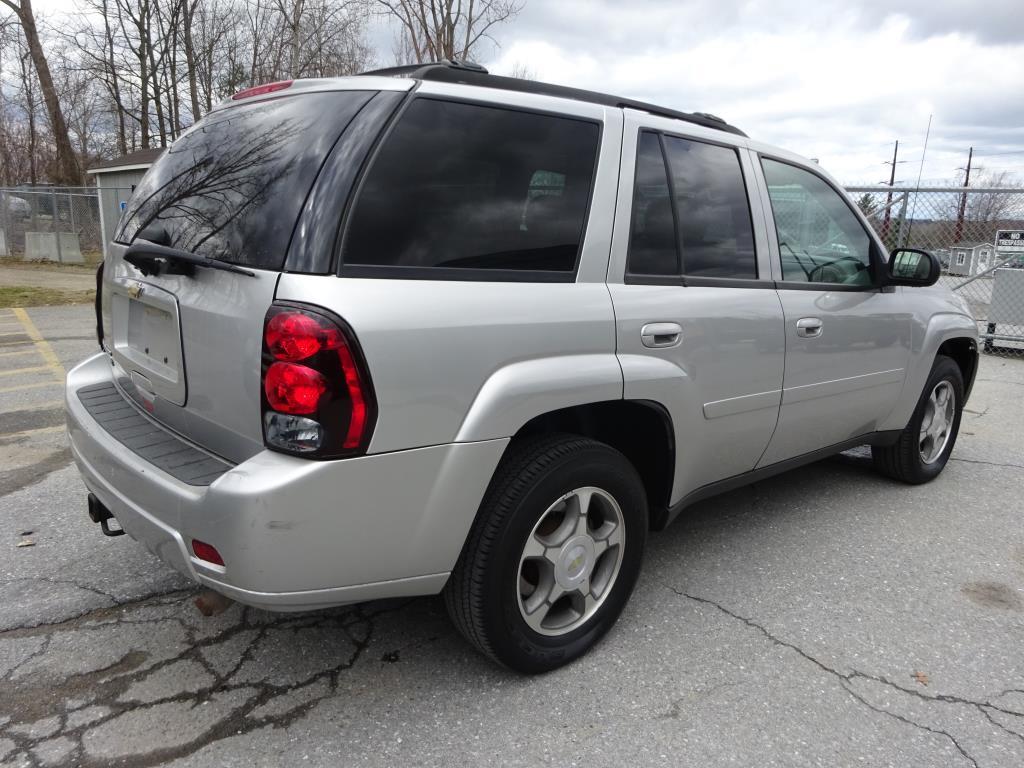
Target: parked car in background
(429,330)
(17,207)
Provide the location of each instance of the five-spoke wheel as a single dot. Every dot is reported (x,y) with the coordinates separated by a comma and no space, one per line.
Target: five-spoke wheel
(554,552)
(923,447)
(936,426)
(570,561)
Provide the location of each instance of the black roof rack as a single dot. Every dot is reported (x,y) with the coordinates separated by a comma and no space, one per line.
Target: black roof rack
(469,73)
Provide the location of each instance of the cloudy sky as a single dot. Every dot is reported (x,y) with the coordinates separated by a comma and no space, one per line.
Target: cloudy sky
(835,80)
(839,80)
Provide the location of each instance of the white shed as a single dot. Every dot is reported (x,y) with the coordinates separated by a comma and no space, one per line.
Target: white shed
(115,181)
(970,258)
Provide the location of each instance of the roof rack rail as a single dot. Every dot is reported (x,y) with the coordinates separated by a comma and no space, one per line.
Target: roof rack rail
(416,71)
(469,73)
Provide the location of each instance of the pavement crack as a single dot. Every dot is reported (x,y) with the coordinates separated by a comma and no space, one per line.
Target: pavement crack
(986,708)
(106,687)
(906,720)
(775,640)
(987,463)
(41,651)
(75,623)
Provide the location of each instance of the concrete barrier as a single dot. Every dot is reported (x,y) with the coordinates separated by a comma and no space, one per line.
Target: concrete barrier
(42,246)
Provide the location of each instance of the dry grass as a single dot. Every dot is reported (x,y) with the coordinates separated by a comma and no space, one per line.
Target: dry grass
(89,267)
(32,296)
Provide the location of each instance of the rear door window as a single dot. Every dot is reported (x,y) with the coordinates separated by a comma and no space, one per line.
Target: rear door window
(712,210)
(691,215)
(232,187)
(475,192)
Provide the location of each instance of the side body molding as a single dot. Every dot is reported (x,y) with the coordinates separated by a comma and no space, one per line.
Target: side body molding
(518,392)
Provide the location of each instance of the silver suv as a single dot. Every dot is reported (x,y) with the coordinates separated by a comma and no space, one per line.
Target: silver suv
(430,330)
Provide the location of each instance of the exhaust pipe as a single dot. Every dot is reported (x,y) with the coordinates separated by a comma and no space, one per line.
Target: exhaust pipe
(100,514)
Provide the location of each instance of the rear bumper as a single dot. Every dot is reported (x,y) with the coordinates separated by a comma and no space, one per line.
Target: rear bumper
(294,534)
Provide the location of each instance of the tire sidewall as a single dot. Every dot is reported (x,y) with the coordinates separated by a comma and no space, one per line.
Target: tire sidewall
(595,465)
(944,370)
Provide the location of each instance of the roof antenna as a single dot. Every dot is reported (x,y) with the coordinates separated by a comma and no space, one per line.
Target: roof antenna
(920,170)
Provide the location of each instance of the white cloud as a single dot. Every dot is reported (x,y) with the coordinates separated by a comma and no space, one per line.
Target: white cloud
(825,79)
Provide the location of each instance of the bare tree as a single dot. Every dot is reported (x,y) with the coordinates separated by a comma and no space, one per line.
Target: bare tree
(130,74)
(982,207)
(67,170)
(431,30)
(521,71)
(188,18)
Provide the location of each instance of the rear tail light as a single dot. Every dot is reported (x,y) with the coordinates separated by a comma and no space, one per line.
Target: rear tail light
(317,396)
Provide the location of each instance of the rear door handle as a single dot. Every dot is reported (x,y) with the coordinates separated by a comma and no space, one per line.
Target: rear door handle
(661,334)
(809,327)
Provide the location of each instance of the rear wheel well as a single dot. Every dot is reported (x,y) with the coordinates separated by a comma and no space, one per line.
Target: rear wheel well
(641,430)
(964,352)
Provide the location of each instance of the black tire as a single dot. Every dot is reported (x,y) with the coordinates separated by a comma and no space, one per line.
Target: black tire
(482,595)
(902,460)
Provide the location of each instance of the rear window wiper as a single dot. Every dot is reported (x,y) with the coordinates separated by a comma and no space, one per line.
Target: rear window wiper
(152,258)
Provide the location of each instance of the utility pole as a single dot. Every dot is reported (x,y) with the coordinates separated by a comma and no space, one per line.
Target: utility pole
(888,198)
(963,199)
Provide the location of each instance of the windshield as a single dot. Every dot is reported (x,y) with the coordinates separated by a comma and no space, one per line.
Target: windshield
(232,187)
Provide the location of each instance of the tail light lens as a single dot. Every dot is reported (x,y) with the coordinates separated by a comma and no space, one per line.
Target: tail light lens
(317,396)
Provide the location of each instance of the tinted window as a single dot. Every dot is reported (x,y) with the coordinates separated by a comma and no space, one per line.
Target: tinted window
(473,187)
(820,240)
(712,210)
(652,244)
(232,187)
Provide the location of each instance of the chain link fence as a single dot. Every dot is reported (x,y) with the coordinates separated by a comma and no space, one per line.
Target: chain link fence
(960,226)
(60,224)
(63,224)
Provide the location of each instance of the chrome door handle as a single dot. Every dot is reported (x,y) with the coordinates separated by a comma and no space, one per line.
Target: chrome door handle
(661,334)
(809,327)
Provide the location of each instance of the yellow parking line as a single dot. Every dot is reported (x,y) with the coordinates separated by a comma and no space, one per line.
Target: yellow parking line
(12,333)
(33,385)
(16,371)
(41,344)
(18,352)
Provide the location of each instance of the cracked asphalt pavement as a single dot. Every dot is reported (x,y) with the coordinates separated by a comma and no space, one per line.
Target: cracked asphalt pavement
(825,617)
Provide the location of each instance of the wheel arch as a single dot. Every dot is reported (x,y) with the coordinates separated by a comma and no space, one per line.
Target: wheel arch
(946,333)
(641,430)
(964,352)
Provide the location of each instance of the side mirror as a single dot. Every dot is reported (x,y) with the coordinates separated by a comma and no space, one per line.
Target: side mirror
(909,266)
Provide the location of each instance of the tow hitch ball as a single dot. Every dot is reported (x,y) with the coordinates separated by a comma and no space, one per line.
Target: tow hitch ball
(100,514)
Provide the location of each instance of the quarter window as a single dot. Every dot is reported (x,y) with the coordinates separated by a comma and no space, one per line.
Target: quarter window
(820,240)
(461,186)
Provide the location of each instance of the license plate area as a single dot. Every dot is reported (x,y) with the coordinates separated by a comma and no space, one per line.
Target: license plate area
(147,339)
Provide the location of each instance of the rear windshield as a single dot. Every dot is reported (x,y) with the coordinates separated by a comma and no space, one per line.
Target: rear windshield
(233,186)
